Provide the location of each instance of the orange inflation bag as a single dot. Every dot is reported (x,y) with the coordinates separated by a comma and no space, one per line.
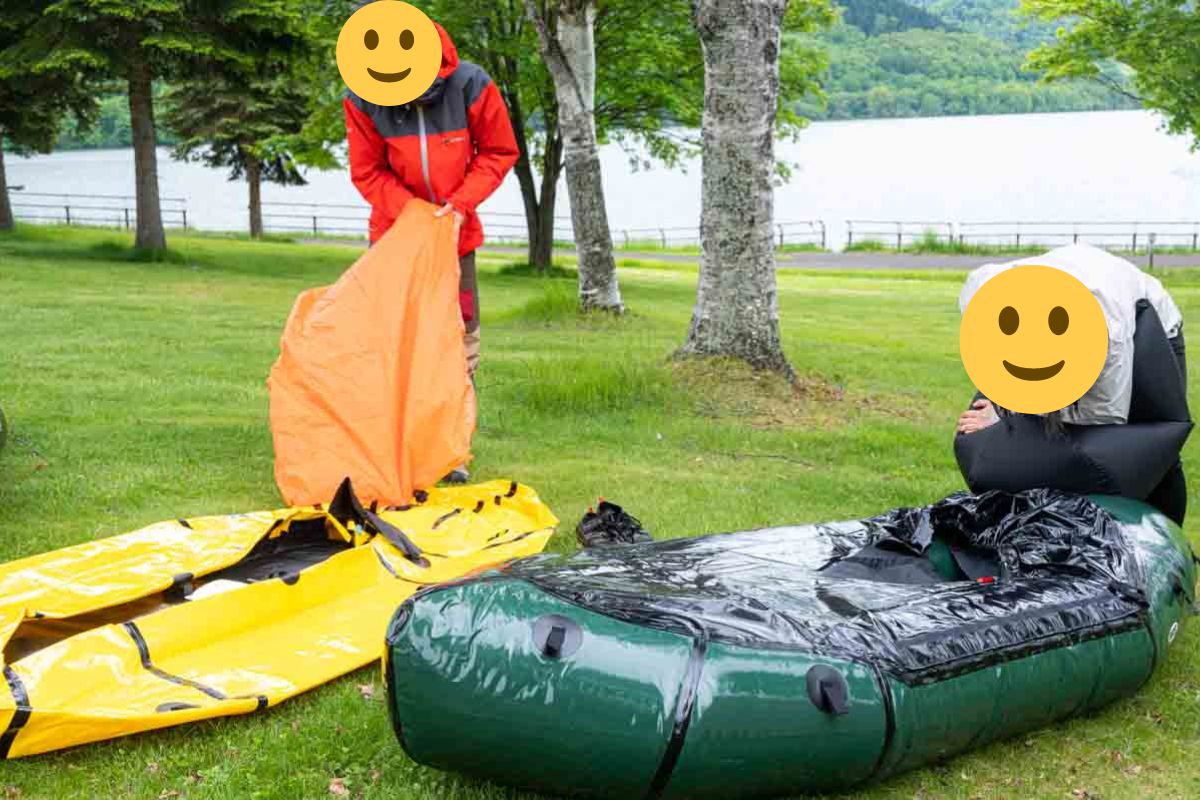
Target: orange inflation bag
(371,381)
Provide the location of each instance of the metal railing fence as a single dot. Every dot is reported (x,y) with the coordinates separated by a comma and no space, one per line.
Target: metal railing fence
(103,210)
(1133,236)
(510,228)
(334,219)
(897,233)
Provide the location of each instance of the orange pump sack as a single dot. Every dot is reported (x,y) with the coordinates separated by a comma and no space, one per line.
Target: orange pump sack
(371,381)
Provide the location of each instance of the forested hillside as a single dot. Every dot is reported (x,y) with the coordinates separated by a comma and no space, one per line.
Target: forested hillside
(998,19)
(111,128)
(883,16)
(889,58)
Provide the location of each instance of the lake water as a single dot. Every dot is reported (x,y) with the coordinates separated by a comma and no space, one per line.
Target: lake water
(1107,166)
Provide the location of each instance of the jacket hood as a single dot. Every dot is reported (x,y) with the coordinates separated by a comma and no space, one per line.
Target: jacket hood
(449,53)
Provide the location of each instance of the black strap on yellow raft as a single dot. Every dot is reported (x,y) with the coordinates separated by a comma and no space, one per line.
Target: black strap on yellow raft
(21,711)
(346,507)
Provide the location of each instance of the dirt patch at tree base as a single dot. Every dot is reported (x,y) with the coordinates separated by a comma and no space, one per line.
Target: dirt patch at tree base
(724,388)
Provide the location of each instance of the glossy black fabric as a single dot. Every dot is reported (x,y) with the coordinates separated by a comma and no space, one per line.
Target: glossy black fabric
(1138,460)
(1064,571)
(881,562)
(305,544)
(1170,495)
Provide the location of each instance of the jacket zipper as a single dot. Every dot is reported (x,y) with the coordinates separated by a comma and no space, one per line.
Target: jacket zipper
(425,154)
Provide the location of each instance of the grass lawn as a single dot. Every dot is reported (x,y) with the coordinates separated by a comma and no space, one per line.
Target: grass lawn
(136,392)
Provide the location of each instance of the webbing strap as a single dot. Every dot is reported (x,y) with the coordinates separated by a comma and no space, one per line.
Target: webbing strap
(21,711)
(346,507)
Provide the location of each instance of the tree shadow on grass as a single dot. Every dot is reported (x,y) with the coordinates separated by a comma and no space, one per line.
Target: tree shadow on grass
(525,270)
(207,254)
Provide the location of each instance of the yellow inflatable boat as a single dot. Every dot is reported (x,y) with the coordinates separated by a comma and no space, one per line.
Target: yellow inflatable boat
(213,616)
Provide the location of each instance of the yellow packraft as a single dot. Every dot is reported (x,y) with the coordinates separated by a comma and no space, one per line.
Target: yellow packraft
(213,616)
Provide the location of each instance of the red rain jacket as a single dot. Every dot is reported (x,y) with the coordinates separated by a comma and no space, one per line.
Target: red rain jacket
(454,144)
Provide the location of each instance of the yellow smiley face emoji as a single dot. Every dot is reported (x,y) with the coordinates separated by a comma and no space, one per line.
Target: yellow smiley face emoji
(1033,339)
(389,52)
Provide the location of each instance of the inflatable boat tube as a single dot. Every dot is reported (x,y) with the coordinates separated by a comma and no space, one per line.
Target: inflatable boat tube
(791,659)
(1138,460)
(212,616)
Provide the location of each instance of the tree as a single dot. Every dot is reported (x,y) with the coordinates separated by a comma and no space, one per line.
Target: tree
(1159,40)
(32,102)
(648,80)
(566,37)
(319,141)
(245,125)
(736,312)
(140,41)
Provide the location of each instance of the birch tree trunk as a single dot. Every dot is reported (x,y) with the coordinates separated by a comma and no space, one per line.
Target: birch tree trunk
(6,215)
(254,178)
(737,312)
(566,39)
(150,234)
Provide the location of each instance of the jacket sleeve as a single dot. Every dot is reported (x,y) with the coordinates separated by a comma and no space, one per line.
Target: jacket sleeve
(369,169)
(495,150)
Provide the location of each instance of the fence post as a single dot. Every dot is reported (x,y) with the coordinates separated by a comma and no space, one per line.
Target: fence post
(821,222)
(68,210)
(1150,249)
(184,211)
(899,235)
(126,217)
(662,232)
(1135,241)
(314,224)
(849,233)
(780,228)
(625,233)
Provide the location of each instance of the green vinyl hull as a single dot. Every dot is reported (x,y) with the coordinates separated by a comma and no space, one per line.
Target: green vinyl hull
(642,711)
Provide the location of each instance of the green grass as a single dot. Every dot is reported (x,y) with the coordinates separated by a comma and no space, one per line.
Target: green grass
(931,242)
(557,302)
(867,246)
(136,393)
(1163,249)
(523,269)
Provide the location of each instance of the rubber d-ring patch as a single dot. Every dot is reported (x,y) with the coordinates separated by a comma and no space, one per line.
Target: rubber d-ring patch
(556,636)
(828,690)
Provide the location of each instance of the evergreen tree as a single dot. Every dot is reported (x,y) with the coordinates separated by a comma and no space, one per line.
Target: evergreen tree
(245,125)
(33,100)
(141,41)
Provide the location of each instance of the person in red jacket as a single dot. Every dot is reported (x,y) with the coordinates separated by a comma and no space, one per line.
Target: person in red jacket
(451,146)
